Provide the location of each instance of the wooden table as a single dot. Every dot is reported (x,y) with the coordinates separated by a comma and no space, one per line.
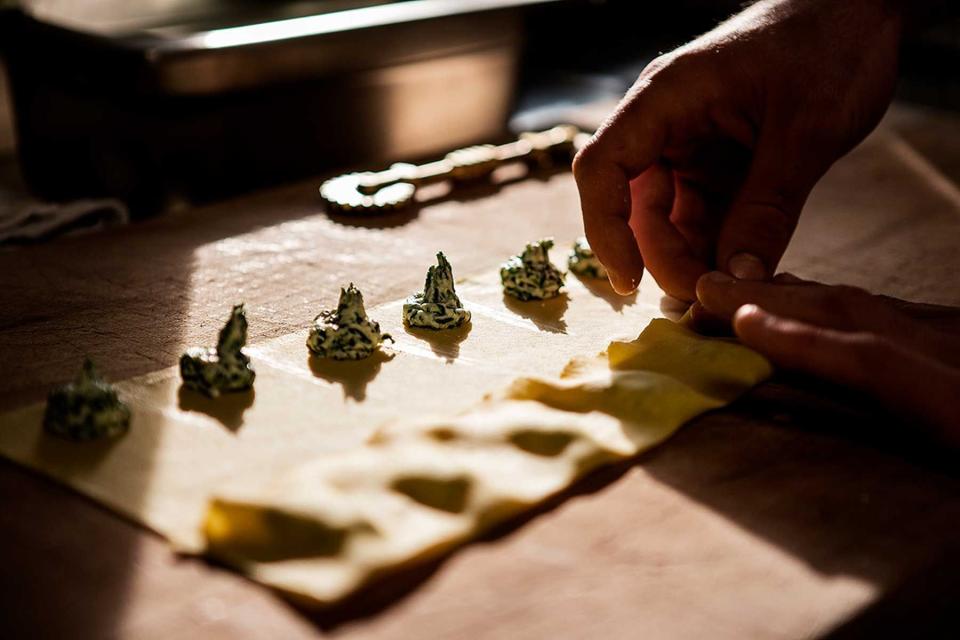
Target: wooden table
(796,513)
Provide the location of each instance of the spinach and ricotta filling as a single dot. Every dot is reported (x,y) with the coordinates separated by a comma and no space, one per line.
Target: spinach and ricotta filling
(531,275)
(86,409)
(584,262)
(437,306)
(346,333)
(225,368)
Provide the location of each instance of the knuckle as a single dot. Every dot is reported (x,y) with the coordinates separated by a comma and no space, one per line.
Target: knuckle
(818,132)
(684,63)
(851,303)
(697,71)
(677,64)
(584,160)
(657,65)
(781,221)
(774,207)
(870,352)
(668,71)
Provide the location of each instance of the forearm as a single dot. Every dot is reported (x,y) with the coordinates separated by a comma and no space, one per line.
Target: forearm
(915,13)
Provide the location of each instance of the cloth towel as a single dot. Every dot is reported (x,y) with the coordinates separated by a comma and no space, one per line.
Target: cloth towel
(26,220)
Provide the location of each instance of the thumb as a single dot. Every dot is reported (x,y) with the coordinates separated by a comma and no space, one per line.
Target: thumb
(764,214)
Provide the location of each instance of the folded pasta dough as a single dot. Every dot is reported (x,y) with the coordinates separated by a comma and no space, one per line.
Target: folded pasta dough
(418,489)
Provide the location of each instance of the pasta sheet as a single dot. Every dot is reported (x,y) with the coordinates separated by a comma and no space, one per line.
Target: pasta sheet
(329,473)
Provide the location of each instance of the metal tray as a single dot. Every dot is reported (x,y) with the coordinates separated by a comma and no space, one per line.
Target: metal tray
(152,106)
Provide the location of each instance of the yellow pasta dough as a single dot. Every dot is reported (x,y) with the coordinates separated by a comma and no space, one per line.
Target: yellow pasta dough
(419,488)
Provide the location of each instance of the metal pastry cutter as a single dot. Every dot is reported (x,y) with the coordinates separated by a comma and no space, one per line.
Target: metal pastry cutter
(376,192)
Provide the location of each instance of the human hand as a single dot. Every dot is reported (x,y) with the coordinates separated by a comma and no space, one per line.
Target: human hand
(709,158)
(906,356)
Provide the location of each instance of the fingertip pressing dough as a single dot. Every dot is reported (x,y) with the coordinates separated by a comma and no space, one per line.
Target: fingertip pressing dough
(437,306)
(530,275)
(223,369)
(86,409)
(346,333)
(584,262)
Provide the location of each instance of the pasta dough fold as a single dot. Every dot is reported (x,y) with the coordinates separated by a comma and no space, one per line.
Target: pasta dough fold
(421,488)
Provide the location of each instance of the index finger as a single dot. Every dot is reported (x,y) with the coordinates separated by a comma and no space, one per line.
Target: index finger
(627,144)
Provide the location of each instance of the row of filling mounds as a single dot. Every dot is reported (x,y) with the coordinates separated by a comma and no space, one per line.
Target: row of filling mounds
(90,408)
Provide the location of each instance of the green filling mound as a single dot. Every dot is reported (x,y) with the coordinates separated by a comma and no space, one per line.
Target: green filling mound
(346,333)
(223,369)
(437,306)
(86,409)
(583,261)
(530,275)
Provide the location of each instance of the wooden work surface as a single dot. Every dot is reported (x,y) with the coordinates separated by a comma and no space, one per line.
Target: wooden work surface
(785,516)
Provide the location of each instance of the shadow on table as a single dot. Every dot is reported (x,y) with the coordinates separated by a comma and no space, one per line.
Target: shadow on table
(392,589)
(601,288)
(924,605)
(833,484)
(228,409)
(546,314)
(352,375)
(71,458)
(831,480)
(445,343)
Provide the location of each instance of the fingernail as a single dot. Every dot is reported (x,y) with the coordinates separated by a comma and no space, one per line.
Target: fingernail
(623,286)
(718,277)
(746,310)
(765,319)
(745,266)
(707,323)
